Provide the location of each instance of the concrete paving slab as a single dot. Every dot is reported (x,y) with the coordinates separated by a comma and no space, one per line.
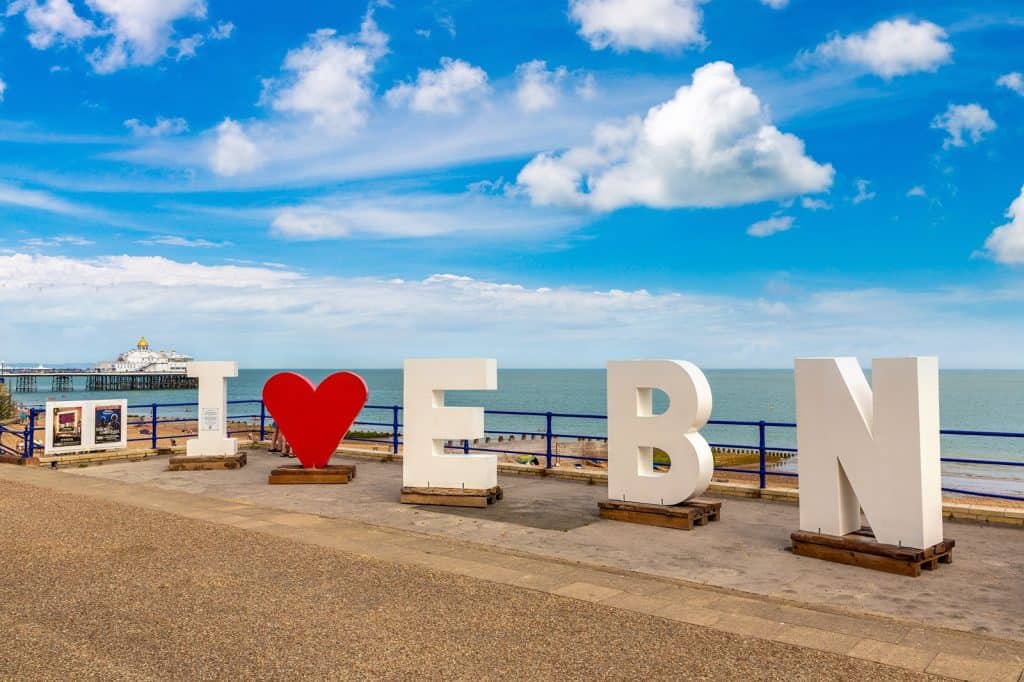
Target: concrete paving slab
(586,592)
(973,669)
(823,640)
(636,602)
(695,615)
(893,654)
(749,626)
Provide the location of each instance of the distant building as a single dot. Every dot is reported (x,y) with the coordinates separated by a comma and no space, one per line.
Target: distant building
(142,359)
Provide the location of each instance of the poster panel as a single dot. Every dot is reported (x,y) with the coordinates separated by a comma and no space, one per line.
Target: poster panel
(108,424)
(66,426)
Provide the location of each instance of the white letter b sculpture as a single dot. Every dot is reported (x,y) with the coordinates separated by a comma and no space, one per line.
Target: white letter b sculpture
(879,452)
(634,431)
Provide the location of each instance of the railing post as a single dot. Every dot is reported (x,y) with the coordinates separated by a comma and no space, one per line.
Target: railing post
(263,421)
(762,455)
(30,434)
(547,438)
(465,446)
(152,424)
(394,429)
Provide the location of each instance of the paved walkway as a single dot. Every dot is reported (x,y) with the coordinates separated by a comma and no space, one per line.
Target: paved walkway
(982,592)
(99,590)
(859,636)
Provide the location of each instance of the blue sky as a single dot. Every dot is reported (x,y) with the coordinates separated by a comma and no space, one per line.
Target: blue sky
(556,183)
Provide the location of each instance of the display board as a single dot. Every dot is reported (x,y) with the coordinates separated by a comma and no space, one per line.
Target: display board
(85,426)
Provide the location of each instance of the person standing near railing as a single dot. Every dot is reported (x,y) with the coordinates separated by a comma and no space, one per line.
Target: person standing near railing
(278,443)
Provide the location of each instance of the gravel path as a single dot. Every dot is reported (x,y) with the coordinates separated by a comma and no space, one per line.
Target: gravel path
(95,590)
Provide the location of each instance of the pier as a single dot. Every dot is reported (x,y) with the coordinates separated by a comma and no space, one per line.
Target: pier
(68,380)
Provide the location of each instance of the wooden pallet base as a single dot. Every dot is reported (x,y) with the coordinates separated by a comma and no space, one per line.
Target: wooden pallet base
(17,459)
(683,516)
(452,497)
(206,462)
(297,474)
(861,549)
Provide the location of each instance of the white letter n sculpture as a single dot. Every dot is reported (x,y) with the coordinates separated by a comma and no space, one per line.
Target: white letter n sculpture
(877,450)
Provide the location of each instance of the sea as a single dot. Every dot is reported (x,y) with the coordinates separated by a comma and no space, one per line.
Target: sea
(975,400)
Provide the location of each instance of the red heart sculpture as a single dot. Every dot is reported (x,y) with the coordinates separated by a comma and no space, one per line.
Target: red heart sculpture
(314,419)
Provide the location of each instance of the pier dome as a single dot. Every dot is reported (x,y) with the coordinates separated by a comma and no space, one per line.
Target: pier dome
(142,358)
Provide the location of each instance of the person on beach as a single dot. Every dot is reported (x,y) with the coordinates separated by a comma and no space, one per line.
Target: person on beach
(279,444)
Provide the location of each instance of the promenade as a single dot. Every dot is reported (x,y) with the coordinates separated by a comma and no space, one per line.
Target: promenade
(134,572)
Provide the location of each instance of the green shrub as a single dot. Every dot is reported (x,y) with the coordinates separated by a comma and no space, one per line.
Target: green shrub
(6,404)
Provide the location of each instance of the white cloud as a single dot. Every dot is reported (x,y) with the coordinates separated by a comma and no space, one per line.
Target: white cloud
(864,192)
(770,226)
(233,151)
(52,22)
(187,47)
(639,24)
(812,204)
(710,145)
(959,120)
(175,240)
(303,318)
(56,242)
(475,213)
(394,140)
(917,191)
(163,126)
(222,31)
(587,88)
(132,32)
(42,201)
(775,4)
(1006,243)
(140,30)
(890,48)
(1013,81)
(538,88)
(3,89)
(447,23)
(329,78)
(441,91)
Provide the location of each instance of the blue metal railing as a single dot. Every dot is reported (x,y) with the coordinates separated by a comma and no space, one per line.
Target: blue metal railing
(391,427)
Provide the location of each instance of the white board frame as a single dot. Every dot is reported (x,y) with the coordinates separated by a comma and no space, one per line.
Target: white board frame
(89,443)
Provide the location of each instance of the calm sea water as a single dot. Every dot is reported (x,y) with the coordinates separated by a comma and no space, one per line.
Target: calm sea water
(970,399)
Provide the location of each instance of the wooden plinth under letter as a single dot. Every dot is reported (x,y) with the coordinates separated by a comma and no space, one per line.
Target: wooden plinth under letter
(206,462)
(682,516)
(861,549)
(452,497)
(297,474)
